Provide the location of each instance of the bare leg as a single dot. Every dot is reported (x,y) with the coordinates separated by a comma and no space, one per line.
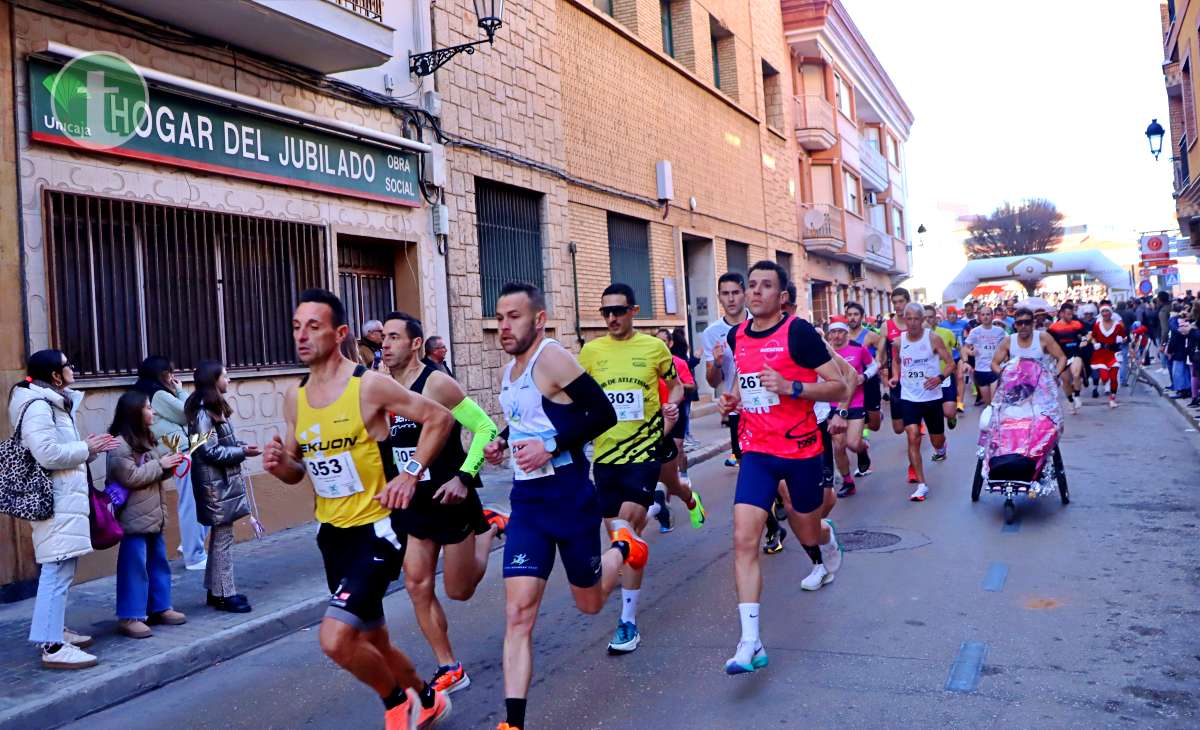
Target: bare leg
(522,596)
(591,599)
(914,450)
(748,524)
(635,515)
(853,438)
(354,651)
(829,499)
(396,660)
(840,459)
(669,476)
(420,563)
(808,526)
(464,564)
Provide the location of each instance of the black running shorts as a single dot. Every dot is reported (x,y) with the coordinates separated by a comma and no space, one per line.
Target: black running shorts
(360,563)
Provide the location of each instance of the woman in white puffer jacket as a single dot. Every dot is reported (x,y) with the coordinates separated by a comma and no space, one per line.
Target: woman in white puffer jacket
(48,431)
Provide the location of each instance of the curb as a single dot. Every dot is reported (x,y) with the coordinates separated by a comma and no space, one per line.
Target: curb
(61,708)
(1190,417)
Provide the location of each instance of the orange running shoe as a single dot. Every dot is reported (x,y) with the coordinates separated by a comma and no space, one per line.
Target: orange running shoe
(639,551)
(499,519)
(400,717)
(506,726)
(428,718)
(912,475)
(450,678)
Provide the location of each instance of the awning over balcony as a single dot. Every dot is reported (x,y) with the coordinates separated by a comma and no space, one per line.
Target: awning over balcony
(1036,267)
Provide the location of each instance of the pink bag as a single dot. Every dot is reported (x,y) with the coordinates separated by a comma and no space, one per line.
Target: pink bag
(106,530)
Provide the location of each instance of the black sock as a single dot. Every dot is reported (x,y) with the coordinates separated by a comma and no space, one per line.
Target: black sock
(426,696)
(515,708)
(624,548)
(814,553)
(396,698)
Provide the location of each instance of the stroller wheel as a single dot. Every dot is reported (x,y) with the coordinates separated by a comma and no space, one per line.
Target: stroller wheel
(977,484)
(1010,512)
(1060,474)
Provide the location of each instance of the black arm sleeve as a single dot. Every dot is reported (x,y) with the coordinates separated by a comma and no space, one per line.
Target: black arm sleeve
(595,414)
(806,346)
(504,435)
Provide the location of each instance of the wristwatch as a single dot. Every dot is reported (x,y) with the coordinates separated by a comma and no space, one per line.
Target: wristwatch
(414,467)
(551,445)
(797,388)
(845,414)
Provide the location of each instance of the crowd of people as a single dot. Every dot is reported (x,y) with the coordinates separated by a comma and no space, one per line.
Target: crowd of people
(376,426)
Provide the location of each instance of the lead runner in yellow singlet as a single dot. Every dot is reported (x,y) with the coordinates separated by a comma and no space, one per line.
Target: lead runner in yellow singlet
(336,416)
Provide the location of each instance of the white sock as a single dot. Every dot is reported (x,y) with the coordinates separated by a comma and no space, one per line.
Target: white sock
(629,599)
(749,615)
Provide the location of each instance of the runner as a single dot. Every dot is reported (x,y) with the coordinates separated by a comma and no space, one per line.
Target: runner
(958,327)
(335,419)
(895,326)
(950,404)
(1069,332)
(1023,344)
(445,515)
(628,365)
(553,409)
(1108,333)
(872,389)
(981,345)
(672,475)
(718,364)
(921,358)
(853,411)
(778,360)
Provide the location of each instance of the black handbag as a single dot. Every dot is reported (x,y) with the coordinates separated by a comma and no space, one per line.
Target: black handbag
(26,490)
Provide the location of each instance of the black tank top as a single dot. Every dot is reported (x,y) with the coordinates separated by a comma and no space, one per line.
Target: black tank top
(402,443)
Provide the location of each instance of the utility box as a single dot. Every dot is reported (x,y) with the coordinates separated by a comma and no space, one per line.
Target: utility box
(441,219)
(666,185)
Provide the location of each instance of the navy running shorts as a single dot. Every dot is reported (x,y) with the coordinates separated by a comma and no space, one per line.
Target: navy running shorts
(760,474)
(617,484)
(872,394)
(930,411)
(856,414)
(984,378)
(950,392)
(568,524)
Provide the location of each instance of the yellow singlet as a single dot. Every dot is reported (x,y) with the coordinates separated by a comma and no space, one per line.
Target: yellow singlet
(341,458)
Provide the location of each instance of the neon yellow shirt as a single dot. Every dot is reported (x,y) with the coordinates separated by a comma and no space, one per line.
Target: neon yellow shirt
(629,371)
(948,337)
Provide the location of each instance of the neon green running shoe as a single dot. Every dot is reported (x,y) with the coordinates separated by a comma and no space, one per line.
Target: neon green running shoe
(699,516)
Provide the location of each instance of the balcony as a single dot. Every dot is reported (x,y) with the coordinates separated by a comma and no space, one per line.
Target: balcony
(327,36)
(874,168)
(880,250)
(824,229)
(815,128)
(899,267)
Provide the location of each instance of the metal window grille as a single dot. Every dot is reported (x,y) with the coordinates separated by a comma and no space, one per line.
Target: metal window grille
(737,258)
(510,238)
(629,256)
(367,282)
(131,279)
(372,9)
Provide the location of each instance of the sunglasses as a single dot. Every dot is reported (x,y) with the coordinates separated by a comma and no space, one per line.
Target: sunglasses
(1023,322)
(619,310)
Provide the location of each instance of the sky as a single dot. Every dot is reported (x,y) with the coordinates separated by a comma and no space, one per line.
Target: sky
(1029,98)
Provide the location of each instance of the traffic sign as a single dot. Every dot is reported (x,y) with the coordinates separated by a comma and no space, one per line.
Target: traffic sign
(1154,256)
(1171,279)
(1154,244)
(1145,288)
(1160,264)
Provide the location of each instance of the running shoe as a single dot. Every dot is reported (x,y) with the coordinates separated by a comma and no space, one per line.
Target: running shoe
(400,717)
(939,454)
(1095,392)
(1074,408)
(450,678)
(1112,402)
(429,717)
(847,489)
(506,726)
(831,552)
(959,406)
(951,423)
(773,545)
(639,551)
(499,519)
(731,460)
(699,515)
(819,576)
(749,656)
(661,512)
(779,509)
(666,521)
(625,639)
(864,462)
(919,495)
(912,475)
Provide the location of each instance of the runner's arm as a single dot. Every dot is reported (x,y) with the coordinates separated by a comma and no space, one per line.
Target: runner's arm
(1050,345)
(383,395)
(1001,356)
(598,414)
(446,390)
(281,457)
(943,353)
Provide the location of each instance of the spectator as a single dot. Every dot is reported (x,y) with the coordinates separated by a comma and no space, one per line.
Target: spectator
(143,573)
(370,347)
(1162,327)
(43,409)
(221,487)
(1193,353)
(156,378)
(1179,328)
(680,349)
(435,354)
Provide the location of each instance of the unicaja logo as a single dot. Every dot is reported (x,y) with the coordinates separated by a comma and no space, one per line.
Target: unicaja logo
(99,100)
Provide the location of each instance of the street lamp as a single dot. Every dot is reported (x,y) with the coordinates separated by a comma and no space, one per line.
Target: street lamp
(1155,133)
(489,13)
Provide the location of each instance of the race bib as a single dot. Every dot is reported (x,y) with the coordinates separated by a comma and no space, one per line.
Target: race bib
(401,457)
(754,395)
(544,471)
(333,477)
(630,405)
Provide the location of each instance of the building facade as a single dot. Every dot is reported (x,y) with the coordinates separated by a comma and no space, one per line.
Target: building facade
(851,126)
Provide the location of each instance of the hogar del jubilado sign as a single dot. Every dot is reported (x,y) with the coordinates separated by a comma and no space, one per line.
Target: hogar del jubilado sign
(104,106)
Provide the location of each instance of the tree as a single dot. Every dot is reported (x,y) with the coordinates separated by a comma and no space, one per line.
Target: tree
(1033,227)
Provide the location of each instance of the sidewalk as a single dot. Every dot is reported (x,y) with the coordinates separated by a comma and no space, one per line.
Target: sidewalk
(1161,381)
(282,576)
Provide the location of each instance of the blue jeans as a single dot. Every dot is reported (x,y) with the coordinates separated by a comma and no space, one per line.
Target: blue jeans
(192,534)
(50,606)
(1181,377)
(143,576)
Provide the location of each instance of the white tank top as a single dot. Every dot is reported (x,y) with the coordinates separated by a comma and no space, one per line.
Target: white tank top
(522,401)
(918,363)
(1034,351)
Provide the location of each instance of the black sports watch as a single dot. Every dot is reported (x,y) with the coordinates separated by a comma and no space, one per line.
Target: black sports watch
(845,414)
(797,388)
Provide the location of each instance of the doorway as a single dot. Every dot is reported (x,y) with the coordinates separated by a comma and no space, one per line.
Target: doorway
(700,290)
(375,277)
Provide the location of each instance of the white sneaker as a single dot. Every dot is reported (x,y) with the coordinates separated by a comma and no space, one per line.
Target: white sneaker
(819,576)
(202,565)
(750,656)
(831,552)
(83,641)
(68,656)
(919,494)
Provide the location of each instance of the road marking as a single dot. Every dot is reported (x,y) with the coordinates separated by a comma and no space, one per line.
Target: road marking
(1014,527)
(964,672)
(996,575)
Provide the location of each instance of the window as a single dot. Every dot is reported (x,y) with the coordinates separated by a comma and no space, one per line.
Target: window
(784,259)
(724,58)
(897,223)
(132,279)
(1189,104)
(366,281)
(893,151)
(852,195)
(872,134)
(510,238)
(668,34)
(716,56)
(737,257)
(604,6)
(841,94)
(772,96)
(629,256)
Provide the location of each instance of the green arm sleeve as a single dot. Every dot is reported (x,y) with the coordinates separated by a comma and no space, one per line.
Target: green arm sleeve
(483,431)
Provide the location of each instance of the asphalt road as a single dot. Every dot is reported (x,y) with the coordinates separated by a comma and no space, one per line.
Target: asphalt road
(1086,615)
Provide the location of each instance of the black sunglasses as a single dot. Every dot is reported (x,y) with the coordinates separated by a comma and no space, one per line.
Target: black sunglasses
(618,310)
(1023,322)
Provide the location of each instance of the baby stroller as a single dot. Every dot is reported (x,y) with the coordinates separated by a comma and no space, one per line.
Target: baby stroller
(1018,438)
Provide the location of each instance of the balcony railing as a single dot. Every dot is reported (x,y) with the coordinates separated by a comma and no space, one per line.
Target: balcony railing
(874,167)
(815,128)
(821,221)
(879,248)
(372,9)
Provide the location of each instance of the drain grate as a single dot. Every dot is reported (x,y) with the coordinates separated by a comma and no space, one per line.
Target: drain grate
(866,540)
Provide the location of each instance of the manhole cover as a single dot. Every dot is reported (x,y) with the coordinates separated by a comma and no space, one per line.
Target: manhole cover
(866,540)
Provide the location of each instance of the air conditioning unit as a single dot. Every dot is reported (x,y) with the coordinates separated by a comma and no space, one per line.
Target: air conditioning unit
(856,272)
(871,198)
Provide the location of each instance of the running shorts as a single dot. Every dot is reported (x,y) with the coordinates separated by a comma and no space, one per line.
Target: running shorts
(826,455)
(617,484)
(894,399)
(950,392)
(872,395)
(760,474)
(856,414)
(984,378)
(360,563)
(930,411)
(444,524)
(566,521)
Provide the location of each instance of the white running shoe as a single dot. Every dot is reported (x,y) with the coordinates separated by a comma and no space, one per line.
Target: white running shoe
(749,656)
(831,552)
(68,656)
(920,493)
(819,576)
